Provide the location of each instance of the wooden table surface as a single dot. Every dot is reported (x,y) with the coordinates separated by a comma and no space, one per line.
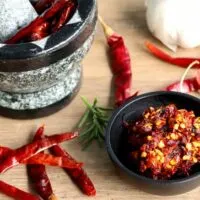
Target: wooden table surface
(149,74)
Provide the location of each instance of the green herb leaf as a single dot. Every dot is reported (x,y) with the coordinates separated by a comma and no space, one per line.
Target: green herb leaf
(93,123)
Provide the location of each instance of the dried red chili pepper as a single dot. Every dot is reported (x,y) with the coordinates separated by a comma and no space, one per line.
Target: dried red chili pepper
(40,31)
(64,17)
(182,62)
(42,5)
(38,175)
(48,159)
(188,85)
(41,158)
(120,64)
(47,15)
(27,151)
(16,193)
(78,175)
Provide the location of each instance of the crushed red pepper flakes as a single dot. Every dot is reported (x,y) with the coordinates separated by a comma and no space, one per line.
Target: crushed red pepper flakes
(166,136)
(182,62)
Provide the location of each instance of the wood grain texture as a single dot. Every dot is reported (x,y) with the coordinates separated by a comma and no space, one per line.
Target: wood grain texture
(149,74)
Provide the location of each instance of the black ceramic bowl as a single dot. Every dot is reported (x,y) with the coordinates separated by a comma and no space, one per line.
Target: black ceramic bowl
(117,144)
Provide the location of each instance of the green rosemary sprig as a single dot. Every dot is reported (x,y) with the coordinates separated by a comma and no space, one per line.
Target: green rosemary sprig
(93,123)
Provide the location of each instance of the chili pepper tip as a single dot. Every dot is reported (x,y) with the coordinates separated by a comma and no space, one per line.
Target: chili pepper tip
(149,45)
(107,29)
(53,197)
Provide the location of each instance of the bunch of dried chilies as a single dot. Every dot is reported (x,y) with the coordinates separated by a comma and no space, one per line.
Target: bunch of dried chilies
(33,156)
(53,15)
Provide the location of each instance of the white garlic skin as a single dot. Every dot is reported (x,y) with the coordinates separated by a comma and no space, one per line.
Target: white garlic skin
(174,22)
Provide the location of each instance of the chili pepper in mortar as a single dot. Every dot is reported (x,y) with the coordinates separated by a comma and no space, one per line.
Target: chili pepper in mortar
(27,151)
(120,64)
(47,15)
(16,193)
(40,31)
(182,62)
(42,5)
(78,175)
(186,85)
(38,175)
(64,17)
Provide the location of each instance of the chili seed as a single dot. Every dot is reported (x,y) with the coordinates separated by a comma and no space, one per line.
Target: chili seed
(161,144)
(173,136)
(176,126)
(196,144)
(195,160)
(173,162)
(189,146)
(168,166)
(143,154)
(149,137)
(182,125)
(186,157)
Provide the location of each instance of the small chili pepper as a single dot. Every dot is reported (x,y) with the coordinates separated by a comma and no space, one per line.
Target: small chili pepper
(64,17)
(78,175)
(47,15)
(38,175)
(47,159)
(189,85)
(42,5)
(16,193)
(27,151)
(120,64)
(182,62)
(186,85)
(41,158)
(40,32)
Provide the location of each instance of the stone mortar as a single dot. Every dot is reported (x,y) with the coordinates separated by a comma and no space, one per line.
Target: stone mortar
(39,74)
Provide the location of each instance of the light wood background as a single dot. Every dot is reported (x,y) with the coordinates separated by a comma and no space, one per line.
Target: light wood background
(149,74)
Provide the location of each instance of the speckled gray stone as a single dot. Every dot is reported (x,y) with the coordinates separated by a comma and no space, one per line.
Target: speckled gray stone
(46,97)
(43,78)
(14,14)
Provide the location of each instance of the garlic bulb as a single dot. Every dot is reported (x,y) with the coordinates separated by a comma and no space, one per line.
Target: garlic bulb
(174,22)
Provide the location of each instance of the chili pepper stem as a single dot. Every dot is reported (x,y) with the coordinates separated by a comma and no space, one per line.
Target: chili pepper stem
(53,197)
(107,29)
(196,62)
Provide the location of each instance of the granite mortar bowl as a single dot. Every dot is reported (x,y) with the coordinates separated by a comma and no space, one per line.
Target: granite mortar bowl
(38,78)
(116,141)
